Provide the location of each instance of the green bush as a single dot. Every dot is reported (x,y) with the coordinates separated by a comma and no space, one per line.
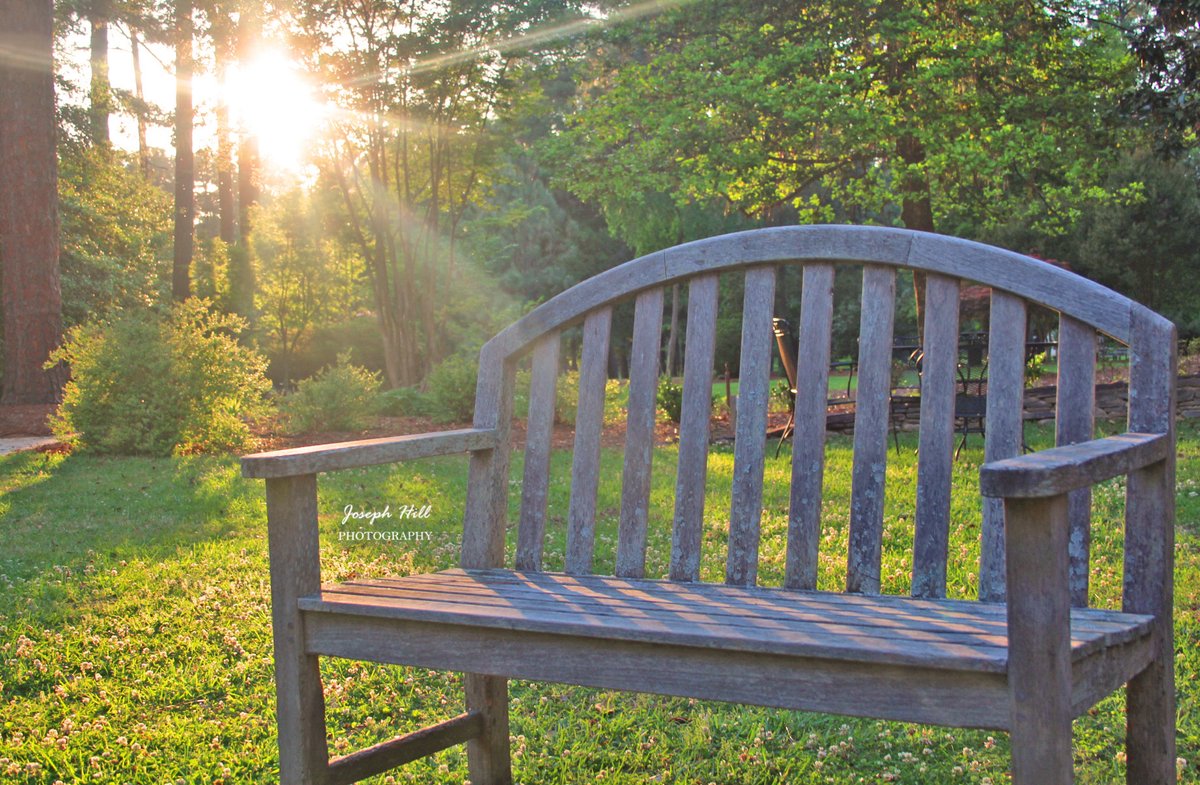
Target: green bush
(149,384)
(341,397)
(566,397)
(450,389)
(402,402)
(670,399)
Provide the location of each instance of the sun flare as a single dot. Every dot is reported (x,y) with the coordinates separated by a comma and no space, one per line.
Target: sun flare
(271,100)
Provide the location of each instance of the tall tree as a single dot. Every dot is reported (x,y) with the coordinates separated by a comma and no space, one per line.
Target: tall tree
(241,272)
(100,93)
(424,82)
(29,273)
(185,158)
(951,116)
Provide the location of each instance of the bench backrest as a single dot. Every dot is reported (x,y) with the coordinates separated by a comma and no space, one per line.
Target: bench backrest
(1016,281)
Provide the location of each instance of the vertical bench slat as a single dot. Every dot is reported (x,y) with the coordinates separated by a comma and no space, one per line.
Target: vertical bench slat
(486,508)
(589,421)
(1003,427)
(754,388)
(639,434)
(692,468)
(808,439)
(538,432)
(871,430)
(936,455)
(1074,422)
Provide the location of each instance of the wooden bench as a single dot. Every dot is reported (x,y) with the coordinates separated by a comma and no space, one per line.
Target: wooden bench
(1027,657)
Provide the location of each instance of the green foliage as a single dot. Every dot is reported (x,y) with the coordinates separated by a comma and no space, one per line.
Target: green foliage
(116,236)
(450,389)
(566,397)
(1035,366)
(147,384)
(339,398)
(970,111)
(304,277)
(401,402)
(1142,237)
(670,399)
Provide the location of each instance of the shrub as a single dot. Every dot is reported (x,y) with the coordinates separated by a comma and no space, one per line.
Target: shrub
(149,384)
(450,389)
(1035,366)
(566,397)
(670,399)
(402,402)
(341,397)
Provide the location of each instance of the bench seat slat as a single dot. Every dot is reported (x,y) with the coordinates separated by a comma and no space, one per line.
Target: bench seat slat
(766,603)
(552,603)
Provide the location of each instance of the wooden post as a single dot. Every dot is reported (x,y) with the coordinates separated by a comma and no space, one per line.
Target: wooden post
(483,546)
(1150,553)
(1039,640)
(293,544)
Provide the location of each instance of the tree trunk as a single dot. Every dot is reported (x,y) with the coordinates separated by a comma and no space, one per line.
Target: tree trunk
(29,277)
(185,175)
(241,273)
(100,94)
(916,211)
(140,97)
(226,204)
(673,334)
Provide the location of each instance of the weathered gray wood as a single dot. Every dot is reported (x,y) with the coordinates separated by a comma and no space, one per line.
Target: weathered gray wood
(1039,661)
(749,622)
(692,467)
(871,430)
(294,549)
(486,508)
(539,429)
(404,749)
(1098,676)
(808,438)
(366,452)
(488,760)
(935,461)
(754,393)
(1062,469)
(1022,275)
(639,434)
(945,697)
(737,598)
(1150,552)
(1004,427)
(589,423)
(1075,422)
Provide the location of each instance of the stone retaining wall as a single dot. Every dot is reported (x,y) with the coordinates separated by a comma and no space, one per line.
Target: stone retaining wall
(1112,401)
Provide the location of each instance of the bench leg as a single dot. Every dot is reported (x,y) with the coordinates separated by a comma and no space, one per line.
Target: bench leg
(1150,725)
(1039,654)
(295,571)
(488,756)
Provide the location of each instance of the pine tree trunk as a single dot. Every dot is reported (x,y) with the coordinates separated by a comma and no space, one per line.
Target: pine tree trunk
(673,334)
(241,273)
(29,276)
(135,49)
(100,94)
(916,212)
(185,175)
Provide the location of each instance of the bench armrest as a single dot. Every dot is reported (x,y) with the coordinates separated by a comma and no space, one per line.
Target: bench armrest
(1062,469)
(367,452)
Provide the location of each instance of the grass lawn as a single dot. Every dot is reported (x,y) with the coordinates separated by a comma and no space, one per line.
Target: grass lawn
(135,637)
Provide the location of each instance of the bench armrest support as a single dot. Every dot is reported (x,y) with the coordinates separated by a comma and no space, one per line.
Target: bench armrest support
(366,452)
(1063,469)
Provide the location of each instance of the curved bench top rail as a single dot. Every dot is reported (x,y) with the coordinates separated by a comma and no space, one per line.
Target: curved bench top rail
(1021,275)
